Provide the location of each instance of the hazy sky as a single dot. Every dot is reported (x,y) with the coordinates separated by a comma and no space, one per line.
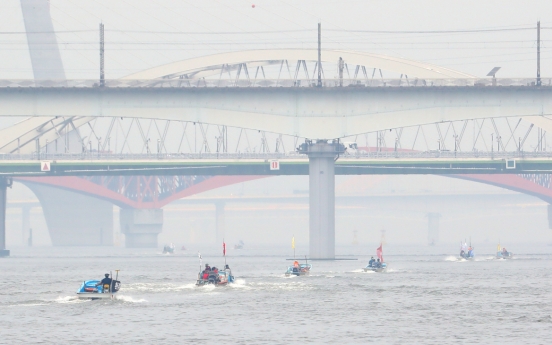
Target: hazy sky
(147,33)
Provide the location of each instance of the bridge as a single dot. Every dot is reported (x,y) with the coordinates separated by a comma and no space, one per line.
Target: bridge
(315,110)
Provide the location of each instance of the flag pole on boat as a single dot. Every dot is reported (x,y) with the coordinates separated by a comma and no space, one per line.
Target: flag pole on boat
(224,251)
(199,256)
(293,246)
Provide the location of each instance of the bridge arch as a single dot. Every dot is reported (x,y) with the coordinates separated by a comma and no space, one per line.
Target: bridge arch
(209,65)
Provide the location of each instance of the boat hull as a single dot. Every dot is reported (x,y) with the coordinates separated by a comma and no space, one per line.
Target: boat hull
(378,270)
(95,295)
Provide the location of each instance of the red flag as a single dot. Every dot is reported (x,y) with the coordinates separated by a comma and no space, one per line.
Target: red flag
(223,248)
(379,252)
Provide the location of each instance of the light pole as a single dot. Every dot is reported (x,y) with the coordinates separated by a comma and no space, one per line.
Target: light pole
(455,144)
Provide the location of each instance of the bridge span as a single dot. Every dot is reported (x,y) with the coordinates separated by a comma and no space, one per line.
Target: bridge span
(307,112)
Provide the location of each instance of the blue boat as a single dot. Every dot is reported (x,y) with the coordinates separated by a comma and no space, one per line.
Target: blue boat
(376,268)
(503,253)
(92,289)
(467,252)
(379,265)
(298,269)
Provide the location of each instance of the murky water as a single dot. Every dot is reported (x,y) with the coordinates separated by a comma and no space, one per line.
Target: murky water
(425,299)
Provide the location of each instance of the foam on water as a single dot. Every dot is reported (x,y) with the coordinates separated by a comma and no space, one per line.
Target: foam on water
(70,300)
(129,299)
(156,287)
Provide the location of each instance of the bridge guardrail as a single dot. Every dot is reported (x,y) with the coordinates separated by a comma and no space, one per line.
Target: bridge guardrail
(280,156)
(254,83)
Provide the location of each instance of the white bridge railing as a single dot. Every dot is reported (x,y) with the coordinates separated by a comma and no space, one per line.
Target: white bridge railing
(279,156)
(327,83)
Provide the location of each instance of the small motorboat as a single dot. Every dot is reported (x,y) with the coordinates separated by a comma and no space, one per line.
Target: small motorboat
(376,267)
(92,289)
(168,249)
(213,276)
(467,252)
(298,269)
(503,253)
(379,265)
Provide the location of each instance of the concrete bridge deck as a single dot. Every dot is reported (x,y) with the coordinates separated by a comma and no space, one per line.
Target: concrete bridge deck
(397,163)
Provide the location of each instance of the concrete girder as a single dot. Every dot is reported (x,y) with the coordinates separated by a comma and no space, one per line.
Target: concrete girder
(304,112)
(216,61)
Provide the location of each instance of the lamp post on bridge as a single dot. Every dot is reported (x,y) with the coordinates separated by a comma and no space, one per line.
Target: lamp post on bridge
(455,144)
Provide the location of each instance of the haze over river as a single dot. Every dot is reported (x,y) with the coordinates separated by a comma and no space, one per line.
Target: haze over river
(426,297)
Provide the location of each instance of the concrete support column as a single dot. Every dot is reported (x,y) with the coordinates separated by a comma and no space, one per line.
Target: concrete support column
(141,226)
(322,155)
(219,220)
(433,228)
(4,184)
(75,219)
(25,223)
(549,216)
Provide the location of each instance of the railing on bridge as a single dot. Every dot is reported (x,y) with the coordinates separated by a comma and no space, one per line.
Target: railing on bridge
(194,83)
(388,154)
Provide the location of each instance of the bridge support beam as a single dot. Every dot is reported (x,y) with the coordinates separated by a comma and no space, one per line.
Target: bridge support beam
(219,221)
(433,228)
(141,226)
(322,155)
(549,216)
(4,184)
(74,219)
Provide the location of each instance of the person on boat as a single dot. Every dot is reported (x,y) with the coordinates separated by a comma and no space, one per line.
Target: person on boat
(504,252)
(206,272)
(371,262)
(378,264)
(229,275)
(296,263)
(105,281)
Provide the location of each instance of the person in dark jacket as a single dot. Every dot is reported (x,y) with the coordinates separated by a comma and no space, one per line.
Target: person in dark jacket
(105,281)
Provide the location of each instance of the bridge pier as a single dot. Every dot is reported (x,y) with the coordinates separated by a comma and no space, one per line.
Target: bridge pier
(219,221)
(4,184)
(433,228)
(74,219)
(141,226)
(322,155)
(549,216)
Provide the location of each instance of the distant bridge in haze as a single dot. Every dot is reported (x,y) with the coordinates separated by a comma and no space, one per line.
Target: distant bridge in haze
(288,92)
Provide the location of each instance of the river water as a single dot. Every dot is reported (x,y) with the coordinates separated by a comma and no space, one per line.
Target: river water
(424,298)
